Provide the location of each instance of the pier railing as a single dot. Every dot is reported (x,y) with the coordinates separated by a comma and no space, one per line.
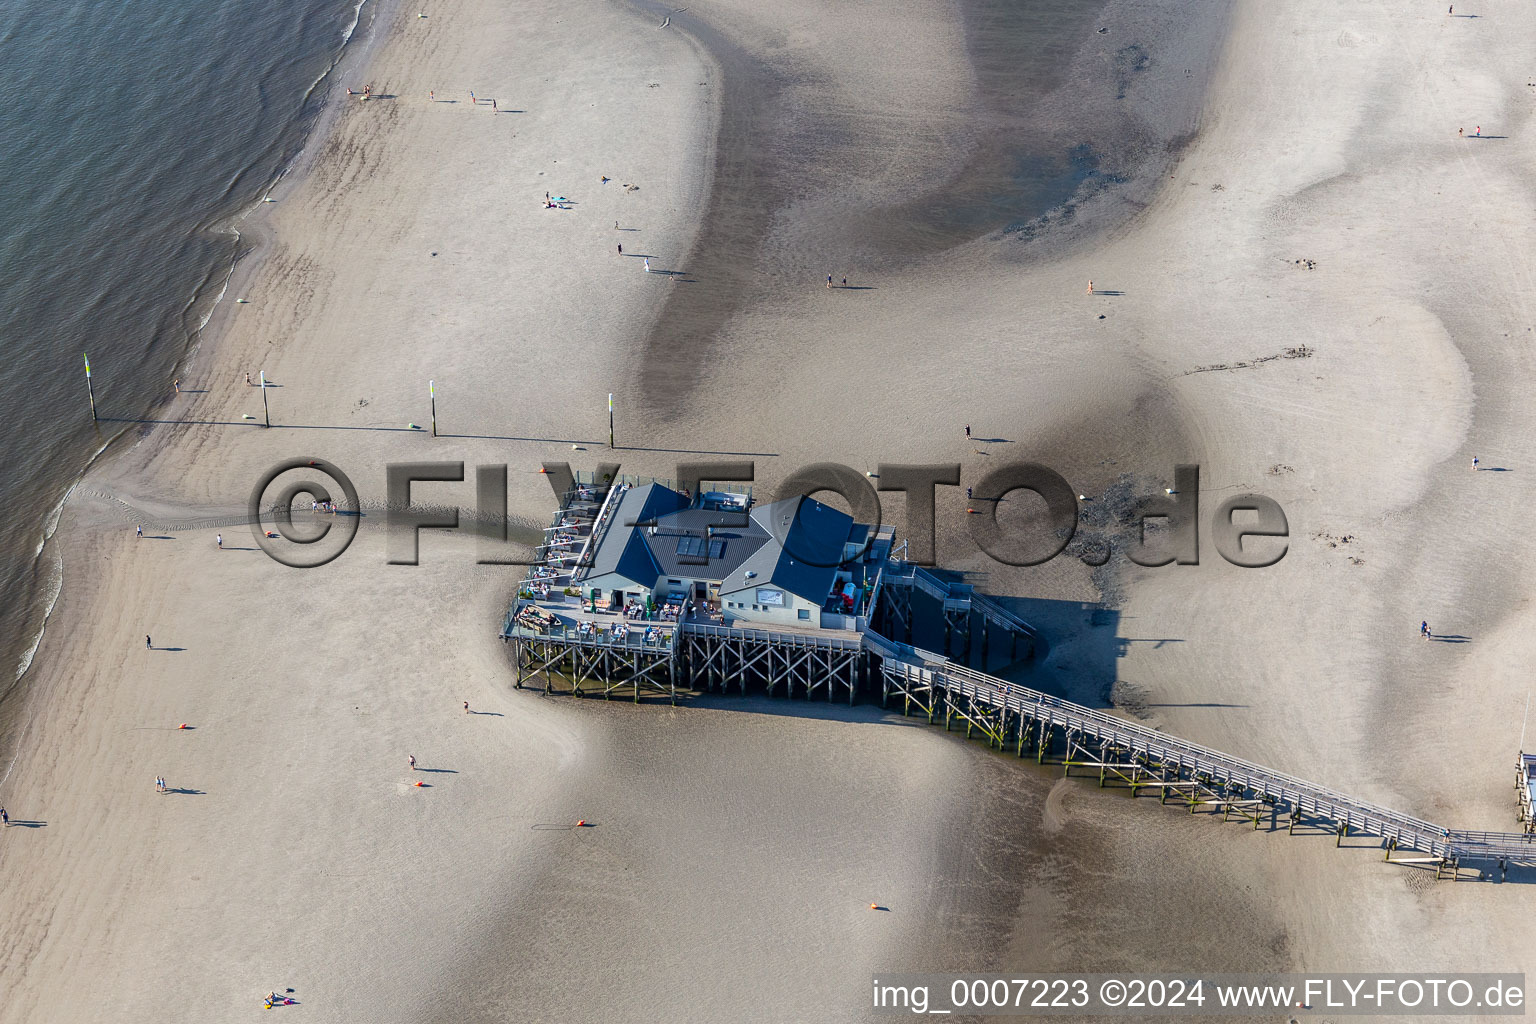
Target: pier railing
(1187,760)
(825,638)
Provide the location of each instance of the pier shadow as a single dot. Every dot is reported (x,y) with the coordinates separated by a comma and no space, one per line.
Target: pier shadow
(1077,645)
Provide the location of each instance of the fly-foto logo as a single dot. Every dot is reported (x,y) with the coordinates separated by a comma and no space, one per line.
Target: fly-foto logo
(1247,530)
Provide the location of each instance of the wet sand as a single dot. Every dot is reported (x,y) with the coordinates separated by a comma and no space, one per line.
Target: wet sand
(736,846)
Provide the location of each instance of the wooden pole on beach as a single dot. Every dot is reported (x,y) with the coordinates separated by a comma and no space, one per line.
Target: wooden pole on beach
(432,391)
(89,389)
(266,412)
(610,420)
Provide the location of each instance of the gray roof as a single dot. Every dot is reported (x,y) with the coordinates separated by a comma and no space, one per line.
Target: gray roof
(736,543)
(803,553)
(794,545)
(622,549)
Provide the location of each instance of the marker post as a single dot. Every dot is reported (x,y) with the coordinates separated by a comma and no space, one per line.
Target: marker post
(266,412)
(89,389)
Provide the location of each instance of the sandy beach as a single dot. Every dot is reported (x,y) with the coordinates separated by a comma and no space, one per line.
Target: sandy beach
(1306,282)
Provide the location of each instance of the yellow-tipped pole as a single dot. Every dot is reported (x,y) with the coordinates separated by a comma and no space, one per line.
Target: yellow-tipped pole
(89,389)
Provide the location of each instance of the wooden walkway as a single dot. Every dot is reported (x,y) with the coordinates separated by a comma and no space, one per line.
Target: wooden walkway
(661,658)
(1144,759)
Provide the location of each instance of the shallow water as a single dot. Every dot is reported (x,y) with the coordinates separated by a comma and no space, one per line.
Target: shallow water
(135,135)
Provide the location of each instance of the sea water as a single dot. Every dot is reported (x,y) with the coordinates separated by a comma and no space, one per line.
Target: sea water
(132,135)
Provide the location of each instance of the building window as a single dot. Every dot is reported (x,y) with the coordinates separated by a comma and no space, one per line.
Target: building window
(805,613)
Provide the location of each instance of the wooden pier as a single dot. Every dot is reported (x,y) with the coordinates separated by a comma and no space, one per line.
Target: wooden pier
(964,613)
(587,652)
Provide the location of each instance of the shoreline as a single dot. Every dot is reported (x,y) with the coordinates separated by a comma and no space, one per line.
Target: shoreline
(748,841)
(249,246)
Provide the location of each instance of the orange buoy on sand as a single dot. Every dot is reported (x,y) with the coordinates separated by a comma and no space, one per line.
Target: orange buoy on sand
(183,725)
(582,823)
(418,785)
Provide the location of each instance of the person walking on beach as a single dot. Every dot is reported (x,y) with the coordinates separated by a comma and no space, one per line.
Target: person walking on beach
(1461,132)
(138,532)
(466,707)
(177,385)
(829,282)
(845,282)
(1424,630)
(1474,463)
(149,644)
(159,784)
(1090,287)
(218,539)
(247,380)
(472,101)
(647,264)
(412,759)
(493,107)
(1478,130)
(967,430)
(431,96)
(621,250)
(5,819)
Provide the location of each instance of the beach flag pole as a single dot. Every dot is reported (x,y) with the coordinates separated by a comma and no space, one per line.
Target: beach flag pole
(89,388)
(610,420)
(1525,720)
(266,412)
(432,390)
